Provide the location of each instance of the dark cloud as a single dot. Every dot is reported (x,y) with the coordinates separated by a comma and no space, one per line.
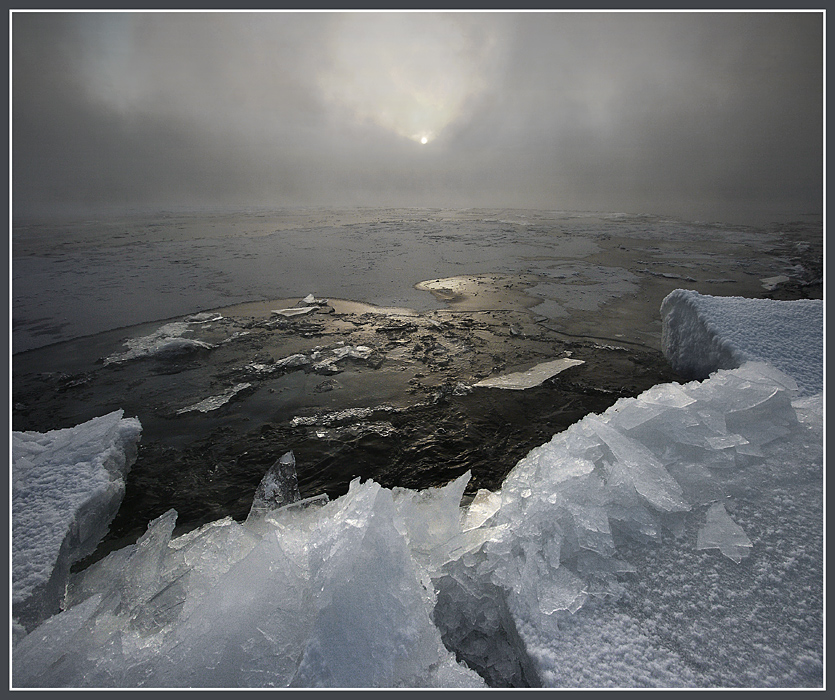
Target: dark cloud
(704,114)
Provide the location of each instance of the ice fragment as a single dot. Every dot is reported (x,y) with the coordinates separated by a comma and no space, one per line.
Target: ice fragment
(166,341)
(279,487)
(212,403)
(529,378)
(296,311)
(722,533)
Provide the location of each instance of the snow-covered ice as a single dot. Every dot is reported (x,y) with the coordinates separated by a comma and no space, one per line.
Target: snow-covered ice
(594,565)
(703,333)
(66,487)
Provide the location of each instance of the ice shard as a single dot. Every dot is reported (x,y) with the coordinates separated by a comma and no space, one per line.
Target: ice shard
(722,533)
(279,487)
(529,378)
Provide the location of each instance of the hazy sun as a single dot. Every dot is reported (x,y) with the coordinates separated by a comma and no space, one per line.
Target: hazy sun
(424,140)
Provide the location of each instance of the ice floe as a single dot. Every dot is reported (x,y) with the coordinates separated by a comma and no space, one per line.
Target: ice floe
(212,403)
(531,377)
(166,341)
(295,311)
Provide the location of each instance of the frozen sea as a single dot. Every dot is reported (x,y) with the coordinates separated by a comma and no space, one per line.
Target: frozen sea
(673,540)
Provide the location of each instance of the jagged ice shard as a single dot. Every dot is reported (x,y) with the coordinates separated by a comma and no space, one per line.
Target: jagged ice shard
(594,565)
(722,533)
(279,487)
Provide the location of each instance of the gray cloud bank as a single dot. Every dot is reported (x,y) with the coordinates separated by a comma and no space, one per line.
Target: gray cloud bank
(708,115)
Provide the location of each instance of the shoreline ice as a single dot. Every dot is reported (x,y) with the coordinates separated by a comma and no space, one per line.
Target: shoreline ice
(67,486)
(702,333)
(535,584)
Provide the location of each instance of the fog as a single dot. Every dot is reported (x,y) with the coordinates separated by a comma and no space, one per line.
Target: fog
(704,115)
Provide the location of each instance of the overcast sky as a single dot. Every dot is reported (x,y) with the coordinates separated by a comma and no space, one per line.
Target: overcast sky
(708,115)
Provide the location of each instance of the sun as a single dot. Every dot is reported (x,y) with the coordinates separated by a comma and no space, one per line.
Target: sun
(423,137)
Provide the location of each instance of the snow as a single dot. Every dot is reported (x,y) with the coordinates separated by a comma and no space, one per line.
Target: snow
(66,487)
(594,565)
(703,333)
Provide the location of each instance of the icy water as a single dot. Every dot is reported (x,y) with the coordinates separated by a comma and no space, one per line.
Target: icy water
(412,309)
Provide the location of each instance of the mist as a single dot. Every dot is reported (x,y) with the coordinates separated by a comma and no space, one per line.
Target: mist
(707,115)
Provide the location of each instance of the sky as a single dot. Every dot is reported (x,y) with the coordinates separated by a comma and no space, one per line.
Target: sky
(706,115)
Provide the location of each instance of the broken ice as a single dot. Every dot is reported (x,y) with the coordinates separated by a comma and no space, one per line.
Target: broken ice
(524,586)
(212,403)
(166,341)
(722,533)
(279,487)
(66,487)
(529,378)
